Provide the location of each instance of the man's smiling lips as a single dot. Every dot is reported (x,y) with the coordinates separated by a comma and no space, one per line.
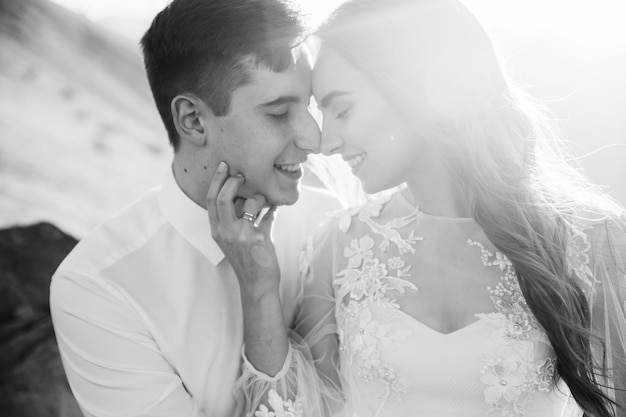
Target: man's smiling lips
(292,171)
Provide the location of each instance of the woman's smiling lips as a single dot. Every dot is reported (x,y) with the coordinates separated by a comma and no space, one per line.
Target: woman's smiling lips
(355,161)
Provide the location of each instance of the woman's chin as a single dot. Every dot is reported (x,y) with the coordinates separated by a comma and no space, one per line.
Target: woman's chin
(377,185)
(372,187)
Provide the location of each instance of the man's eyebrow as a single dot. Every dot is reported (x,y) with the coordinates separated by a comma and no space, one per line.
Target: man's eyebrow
(325,102)
(281,100)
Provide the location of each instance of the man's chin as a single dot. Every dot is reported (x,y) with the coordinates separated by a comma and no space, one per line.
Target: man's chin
(273,197)
(284,199)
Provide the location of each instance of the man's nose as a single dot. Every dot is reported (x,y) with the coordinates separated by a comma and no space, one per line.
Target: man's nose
(309,137)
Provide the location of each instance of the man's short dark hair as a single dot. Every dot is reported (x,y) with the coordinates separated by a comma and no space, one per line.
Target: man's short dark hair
(204,47)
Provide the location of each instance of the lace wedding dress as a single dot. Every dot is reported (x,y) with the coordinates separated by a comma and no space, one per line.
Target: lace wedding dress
(368,318)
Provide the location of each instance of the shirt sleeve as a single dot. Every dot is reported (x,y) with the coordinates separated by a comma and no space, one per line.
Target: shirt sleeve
(113,365)
(308,383)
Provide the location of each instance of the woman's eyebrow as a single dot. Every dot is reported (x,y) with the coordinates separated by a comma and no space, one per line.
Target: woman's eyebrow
(328,98)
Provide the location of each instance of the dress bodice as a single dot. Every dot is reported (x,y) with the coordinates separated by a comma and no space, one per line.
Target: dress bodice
(500,363)
(407,314)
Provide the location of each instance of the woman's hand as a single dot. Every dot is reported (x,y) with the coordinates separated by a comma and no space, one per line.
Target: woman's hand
(244,239)
(246,243)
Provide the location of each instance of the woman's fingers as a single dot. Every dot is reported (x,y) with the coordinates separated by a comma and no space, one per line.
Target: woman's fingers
(238,236)
(225,201)
(220,199)
(265,224)
(219,177)
(248,248)
(252,206)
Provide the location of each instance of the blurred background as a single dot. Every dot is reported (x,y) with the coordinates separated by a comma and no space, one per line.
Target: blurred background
(80,137)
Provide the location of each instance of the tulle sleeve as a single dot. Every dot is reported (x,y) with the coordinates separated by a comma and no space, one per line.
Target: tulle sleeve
(308,385)
(597,255)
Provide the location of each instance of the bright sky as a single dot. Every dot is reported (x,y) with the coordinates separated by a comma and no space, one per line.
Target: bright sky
(132,18)
(595,21)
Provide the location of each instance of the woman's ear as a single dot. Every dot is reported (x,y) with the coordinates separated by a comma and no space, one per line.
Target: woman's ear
(187,116)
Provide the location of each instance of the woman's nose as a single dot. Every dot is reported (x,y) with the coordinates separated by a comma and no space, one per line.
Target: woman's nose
(331,141)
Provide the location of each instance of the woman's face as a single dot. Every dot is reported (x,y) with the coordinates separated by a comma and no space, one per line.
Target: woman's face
(362,126)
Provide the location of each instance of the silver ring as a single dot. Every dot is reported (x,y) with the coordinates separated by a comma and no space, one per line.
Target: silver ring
(251,217)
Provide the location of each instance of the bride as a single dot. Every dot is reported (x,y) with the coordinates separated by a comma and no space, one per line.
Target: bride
(490,282)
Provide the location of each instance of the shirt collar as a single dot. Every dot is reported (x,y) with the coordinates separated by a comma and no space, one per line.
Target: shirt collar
(188,218)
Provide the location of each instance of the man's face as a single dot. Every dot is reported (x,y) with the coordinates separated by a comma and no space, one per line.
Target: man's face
(268,133)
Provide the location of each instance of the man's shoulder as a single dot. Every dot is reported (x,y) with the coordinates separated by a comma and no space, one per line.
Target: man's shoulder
(116,237)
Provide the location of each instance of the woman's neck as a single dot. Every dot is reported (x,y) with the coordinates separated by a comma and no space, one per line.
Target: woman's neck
(438,192)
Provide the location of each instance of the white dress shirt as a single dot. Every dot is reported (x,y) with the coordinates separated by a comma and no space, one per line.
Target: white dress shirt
(147,311)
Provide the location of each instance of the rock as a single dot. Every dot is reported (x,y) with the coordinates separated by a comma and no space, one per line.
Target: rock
(32,381)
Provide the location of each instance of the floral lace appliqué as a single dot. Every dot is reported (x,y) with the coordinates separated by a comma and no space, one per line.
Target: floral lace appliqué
(364,285)
(525,363)
(387,231)
(366,277)
(279,407)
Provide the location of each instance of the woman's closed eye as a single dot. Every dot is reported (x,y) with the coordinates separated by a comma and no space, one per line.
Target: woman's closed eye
(343,113)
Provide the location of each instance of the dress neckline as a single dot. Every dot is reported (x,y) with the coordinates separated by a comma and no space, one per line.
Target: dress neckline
(444,219)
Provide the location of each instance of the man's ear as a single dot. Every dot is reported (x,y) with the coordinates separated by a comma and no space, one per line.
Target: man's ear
(187,111)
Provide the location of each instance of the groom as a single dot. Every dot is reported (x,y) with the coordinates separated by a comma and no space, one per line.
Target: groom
(146,310)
